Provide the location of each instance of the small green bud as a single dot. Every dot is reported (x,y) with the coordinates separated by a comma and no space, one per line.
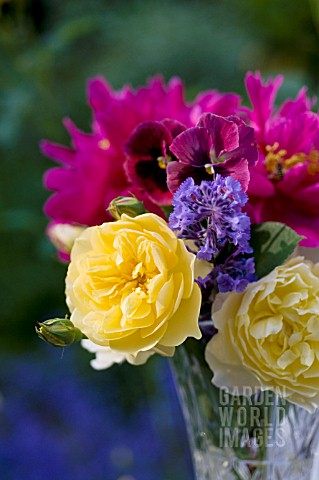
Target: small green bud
(129,205)
(59,332)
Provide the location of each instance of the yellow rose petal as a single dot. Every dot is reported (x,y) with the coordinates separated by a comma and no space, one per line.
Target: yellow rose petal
(182,323)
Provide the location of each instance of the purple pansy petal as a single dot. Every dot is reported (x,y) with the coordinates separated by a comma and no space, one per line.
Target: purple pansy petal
(146,138)
(224,133)
(150,179)
(173,126)
(147,157)
(247,147)
(235,168)
(192,147)
(177,173)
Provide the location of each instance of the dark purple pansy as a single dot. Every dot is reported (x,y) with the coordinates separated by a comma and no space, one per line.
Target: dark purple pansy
(147,157)
(217,145)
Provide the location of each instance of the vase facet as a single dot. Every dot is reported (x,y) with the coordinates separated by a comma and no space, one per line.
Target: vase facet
(261,437)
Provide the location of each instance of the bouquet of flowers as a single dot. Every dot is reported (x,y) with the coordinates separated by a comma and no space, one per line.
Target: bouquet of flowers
(181,223)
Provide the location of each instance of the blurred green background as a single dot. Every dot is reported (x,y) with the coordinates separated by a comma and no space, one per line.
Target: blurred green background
(48,49)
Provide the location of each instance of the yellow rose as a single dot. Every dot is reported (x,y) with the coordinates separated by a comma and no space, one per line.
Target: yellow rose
(268,336)
(130,286)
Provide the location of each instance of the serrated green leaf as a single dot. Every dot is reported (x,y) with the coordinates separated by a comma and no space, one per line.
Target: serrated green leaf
(272,242)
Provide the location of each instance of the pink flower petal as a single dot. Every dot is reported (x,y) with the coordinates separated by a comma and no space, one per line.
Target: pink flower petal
(259,185)
(262,97)
(57,152)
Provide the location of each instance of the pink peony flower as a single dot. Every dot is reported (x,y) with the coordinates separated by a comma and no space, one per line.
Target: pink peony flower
(284,184)
(91,172)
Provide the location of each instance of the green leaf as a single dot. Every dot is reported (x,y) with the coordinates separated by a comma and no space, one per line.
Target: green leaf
(272,242)
(167,210)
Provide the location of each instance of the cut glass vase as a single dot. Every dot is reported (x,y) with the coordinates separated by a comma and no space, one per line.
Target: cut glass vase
(261,437)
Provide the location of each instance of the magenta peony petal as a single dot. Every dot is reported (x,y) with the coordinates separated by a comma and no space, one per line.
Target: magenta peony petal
(58,178)
(58,152)
(80,139)
(215,102)
(259,185)
(309,228)
(262,97)
(293,180)
(292,107)
(308,198)
(99,94)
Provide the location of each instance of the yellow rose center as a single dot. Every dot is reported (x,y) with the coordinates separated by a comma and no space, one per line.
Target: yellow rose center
(139,276)
(278,163)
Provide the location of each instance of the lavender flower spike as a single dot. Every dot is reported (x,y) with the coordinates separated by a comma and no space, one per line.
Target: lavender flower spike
(211,215)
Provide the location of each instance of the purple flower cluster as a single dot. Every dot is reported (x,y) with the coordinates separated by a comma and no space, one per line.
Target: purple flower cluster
(232,275)
(210,214)
(235,274)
